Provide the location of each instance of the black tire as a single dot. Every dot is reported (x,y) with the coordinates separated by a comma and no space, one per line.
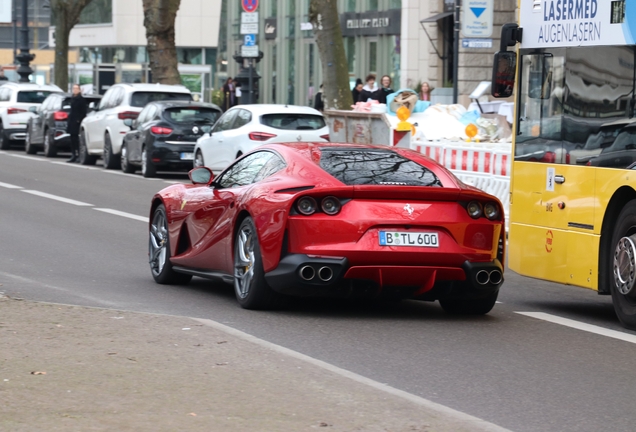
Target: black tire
(49,144)
(125,165)
(111,160)
(29,148)
(478,306)
(622,266)
(5,144)
(148,170)
(84,157)
(159,251)
(250,286)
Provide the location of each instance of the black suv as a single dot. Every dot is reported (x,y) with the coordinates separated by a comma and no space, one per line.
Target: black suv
(46,129)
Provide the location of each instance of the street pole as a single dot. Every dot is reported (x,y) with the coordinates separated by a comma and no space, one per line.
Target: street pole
(456,52)
(14,19)
(250,84)
(25,56)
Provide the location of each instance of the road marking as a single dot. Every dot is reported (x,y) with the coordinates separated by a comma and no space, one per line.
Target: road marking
(626,337)
(10,186)
(123,214)
(470,422)
(27,157)
(57,198)
(130,175)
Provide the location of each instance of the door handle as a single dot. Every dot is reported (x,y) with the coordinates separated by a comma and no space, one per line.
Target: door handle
(559,179)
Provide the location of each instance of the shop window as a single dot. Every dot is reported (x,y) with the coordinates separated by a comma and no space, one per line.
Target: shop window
(351,5)
(97,12)
(189,55)
(350,46)
(292,72)
(373,5)
(373,57)
(395,4)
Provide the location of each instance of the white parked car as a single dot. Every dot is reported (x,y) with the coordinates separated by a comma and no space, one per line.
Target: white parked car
(245,127)
(15,101)
(102,131)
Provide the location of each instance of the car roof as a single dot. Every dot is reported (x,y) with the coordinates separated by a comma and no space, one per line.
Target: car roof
(33,86)
(177,103)
(154,87)
(260,109)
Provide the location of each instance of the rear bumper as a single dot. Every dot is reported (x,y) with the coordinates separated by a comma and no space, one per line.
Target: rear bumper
(15,134)
(170,156)
(304,275)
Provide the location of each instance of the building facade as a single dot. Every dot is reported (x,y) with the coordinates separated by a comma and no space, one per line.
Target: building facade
(111,44)
(290,70)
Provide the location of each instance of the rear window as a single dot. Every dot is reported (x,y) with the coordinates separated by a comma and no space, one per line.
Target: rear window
(32,96)
(293,121)
(192,115)
(141,99)
(375,167)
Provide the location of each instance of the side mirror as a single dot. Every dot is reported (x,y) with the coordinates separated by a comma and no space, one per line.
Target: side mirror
(93,106)
(33,109)
(128,122)
(503,74)
(201,175)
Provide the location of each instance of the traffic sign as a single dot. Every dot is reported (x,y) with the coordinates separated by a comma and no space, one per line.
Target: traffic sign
(249,28)
(249,51)
(249,40)
(477,18)
(249,5)
(249,17)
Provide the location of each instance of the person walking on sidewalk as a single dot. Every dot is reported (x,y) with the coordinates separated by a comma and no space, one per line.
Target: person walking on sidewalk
(75,117)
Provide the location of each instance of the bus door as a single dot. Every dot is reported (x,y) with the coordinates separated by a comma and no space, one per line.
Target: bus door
(550,197)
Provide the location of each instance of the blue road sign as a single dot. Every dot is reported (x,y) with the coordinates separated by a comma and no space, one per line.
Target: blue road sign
(249,40)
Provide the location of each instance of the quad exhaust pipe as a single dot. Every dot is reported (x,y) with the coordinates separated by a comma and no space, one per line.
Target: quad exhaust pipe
(308,273)
(484,277)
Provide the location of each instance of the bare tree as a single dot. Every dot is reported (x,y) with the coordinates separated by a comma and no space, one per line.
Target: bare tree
(159,18)
(323,14)
(67,15)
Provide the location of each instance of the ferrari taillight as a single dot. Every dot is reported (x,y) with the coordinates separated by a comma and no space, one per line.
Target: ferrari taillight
(489,210)
(307,205)
(260,136)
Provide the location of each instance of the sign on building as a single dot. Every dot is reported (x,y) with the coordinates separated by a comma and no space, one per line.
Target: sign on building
(477,18)
(5,11)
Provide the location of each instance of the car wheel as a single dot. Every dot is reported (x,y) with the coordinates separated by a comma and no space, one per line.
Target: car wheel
(5,144)
(159,251)
(198,159)
(111,161)
(148,170)
(29,148)
(469,306)
(49,146)
(622,266)
(84,157)
(125,165)
(250,287)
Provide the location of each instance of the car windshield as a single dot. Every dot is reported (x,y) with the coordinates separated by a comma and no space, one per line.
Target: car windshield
(375,167)
(293,121)
(32,96)
(192,115)
(141,99)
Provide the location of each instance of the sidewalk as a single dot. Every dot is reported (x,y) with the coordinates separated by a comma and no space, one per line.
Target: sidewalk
(68,368)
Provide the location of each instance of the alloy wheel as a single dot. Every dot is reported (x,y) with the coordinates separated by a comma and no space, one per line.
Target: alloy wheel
(244,266)
(625,265)
(158,243)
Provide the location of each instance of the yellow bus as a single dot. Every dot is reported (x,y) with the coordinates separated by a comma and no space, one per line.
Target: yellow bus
(570,67)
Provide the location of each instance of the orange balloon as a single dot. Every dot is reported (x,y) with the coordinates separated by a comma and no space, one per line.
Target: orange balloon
(471,130)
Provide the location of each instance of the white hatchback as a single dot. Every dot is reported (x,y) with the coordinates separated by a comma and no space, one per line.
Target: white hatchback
(245,127)
(102,131)
(15,101)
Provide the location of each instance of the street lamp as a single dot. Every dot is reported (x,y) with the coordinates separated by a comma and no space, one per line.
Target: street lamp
(25,57)
(456,52)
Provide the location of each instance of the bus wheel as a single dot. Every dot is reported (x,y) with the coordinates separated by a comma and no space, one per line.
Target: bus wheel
(622,266)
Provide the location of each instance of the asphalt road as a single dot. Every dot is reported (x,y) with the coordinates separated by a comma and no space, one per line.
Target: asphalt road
(568,367)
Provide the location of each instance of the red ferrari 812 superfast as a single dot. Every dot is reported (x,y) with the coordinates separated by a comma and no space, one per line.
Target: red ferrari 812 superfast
(324,219)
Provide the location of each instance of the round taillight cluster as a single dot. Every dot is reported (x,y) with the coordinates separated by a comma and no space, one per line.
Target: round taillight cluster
(308,205)
(490,210)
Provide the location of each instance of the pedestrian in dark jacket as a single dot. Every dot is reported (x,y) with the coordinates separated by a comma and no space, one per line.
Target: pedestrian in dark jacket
(75,117)
(370,90)
(385,90)
(319,103)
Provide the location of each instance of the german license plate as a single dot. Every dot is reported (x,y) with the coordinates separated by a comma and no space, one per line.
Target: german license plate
(187,156)
(404,238)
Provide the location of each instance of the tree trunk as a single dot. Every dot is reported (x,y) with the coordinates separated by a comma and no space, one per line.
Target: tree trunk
(67,14)
(159,18)
(323,14)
